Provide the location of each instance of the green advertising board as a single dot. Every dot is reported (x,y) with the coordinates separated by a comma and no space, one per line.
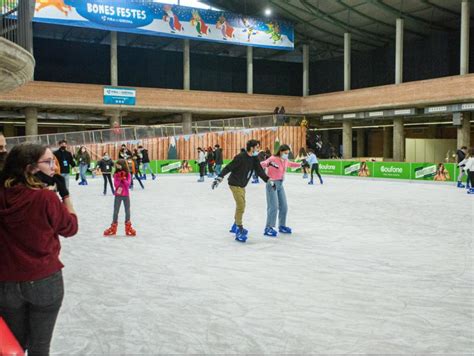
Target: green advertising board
(395,170)
(330,167)
(437,172)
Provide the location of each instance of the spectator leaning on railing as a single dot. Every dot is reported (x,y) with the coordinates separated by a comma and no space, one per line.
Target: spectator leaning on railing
(31,219)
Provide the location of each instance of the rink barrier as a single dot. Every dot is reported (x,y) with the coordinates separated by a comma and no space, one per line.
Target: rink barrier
(394,170)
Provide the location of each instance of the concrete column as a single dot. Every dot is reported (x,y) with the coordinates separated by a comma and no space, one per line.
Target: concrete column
(431,131)
(387,142)
(464,131)
(399,52)
(114,118)
(249,70)
(113,59)
(186,66)
(347,139)
(360,142)
(31,121)
(187,123)
(305,70)
(465,14)
(347,61)
(398,140)
(9,130)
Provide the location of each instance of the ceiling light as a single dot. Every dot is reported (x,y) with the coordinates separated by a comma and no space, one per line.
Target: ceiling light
(268,12)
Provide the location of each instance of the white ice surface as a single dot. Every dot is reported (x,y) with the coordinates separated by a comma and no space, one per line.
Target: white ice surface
(381,267)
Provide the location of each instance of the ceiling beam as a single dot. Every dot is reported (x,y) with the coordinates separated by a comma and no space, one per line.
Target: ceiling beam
(346,27)
(303,21)
(414,19)
(443,9)
(362,14)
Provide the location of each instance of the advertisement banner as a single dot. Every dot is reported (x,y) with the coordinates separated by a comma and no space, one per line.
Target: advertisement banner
(441,172)
(330,167)
(391,170)
(357,168)
(157,19)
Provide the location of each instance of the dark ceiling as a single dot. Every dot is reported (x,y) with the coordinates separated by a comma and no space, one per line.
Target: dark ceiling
(319,23)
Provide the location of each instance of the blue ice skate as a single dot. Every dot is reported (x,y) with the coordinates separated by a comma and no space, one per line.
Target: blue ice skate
(311,182)
(285,230)
(235,229)
(460,185)
(270,231)
(470,191)
(241,235)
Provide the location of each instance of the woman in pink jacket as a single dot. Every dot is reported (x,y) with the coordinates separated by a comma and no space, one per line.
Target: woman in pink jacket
(276,198)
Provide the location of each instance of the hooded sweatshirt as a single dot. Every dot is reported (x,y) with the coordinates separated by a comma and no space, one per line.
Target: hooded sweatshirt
(30,224)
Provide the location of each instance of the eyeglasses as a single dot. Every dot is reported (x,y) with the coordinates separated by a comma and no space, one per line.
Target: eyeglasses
(51,162)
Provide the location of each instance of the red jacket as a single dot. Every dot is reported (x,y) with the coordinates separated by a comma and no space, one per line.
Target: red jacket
(30,222)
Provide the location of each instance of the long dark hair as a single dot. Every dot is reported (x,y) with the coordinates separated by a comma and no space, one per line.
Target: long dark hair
(19,163)
(303,152)
(123,166)
(282,148)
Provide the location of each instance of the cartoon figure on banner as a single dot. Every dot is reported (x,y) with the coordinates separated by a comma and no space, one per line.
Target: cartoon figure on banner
(249,28)
(58,4)
(442,173)
(199,23)
(226,29)
(274,32)
(172,19)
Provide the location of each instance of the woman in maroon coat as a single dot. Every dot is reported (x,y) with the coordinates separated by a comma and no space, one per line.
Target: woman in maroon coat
(31,219)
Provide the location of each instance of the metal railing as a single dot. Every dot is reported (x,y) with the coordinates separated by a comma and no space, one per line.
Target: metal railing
(16,22)
(136,133)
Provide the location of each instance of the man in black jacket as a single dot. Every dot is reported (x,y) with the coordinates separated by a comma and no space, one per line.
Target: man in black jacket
(146,162)
(218,159)
(240,170)
(460,155)
(65,159)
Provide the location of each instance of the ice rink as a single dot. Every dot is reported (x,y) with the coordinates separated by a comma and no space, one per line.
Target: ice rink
(373,266)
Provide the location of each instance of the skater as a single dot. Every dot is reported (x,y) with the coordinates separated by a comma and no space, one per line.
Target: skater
(134,172)
(124,152)
(218,158)
(105,166)
(302,155)
(201,161)
(469,167)
(276,198)
(31,219)
(314,164)
(122,181)
(83,159)
(65,159)
(460,156)
(3,150)
(240,170)
(210,162)
(146,162)
(262,156)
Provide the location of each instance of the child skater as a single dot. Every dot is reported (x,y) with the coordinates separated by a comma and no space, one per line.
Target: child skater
(469,168)
(276,198)
(122,180)
(314,164)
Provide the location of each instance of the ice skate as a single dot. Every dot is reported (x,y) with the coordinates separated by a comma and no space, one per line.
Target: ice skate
(112,230)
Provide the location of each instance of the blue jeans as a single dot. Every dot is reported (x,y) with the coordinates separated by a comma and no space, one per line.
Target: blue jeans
(66,178)
(30,310)
(276,203)
(146,167)
(82,171)
(218,168)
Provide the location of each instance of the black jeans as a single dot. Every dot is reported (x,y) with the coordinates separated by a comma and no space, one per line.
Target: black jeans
(108,177)
(126,203)
(315,168)
(30,310)
(202,169)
